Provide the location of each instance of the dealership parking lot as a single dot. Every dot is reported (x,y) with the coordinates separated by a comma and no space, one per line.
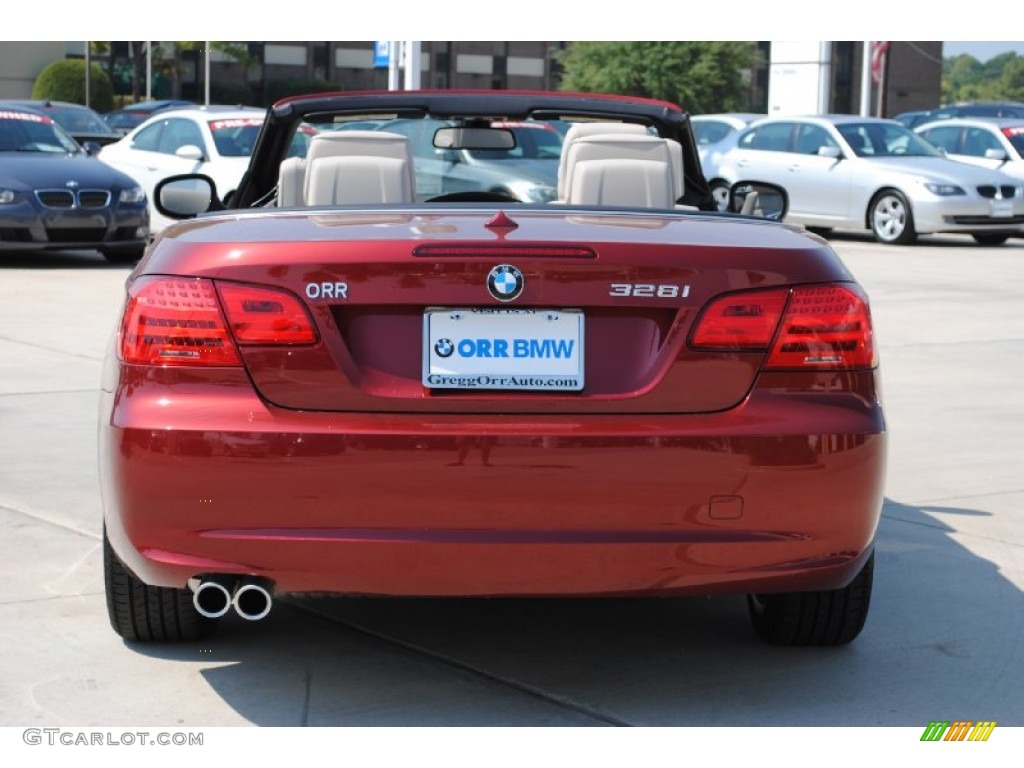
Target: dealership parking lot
(942,640)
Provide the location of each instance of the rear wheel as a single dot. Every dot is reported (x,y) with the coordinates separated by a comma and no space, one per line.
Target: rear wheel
(828,617)
(140,612)
(987,239)
(891,219)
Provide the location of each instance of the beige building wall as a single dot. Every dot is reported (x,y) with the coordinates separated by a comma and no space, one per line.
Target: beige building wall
(21,62)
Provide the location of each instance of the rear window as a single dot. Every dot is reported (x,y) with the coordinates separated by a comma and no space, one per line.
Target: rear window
(78,120)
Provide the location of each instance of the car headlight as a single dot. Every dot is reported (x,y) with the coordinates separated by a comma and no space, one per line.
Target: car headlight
(8,196)
(132,195)
(944,190)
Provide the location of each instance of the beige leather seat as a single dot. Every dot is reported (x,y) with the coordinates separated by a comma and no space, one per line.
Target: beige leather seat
(350,168)
(631,170)
(581,130)
(588,130)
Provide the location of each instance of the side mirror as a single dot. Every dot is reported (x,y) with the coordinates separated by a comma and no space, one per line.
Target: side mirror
(190,152)
(759,199)
(186,196)
(833,152)
(995,154)
(91,148)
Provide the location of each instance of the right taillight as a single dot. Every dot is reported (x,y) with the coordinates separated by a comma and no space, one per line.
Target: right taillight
(824,327)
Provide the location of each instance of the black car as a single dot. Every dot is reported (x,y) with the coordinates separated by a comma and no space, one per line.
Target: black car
(84,124)
(123,120)
(53,195)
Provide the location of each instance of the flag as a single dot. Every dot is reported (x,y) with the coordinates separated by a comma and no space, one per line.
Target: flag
(879,48)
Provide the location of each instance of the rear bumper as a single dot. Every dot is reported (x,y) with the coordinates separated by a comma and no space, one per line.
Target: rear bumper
(782,493)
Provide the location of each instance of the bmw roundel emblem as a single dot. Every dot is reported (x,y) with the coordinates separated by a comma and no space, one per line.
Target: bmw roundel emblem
(505,282)
(444,347)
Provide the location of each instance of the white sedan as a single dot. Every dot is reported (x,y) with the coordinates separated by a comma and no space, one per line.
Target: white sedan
(988,142)
(216,141)
(845,171)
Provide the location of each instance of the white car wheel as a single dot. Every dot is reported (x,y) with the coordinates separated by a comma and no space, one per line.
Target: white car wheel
(892,221)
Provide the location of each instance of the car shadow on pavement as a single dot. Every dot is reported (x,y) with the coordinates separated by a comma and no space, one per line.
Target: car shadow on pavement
(932,241)
(80,259)
(941,642)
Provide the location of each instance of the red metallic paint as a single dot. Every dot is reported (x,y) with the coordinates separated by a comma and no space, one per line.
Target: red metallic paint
(330,468)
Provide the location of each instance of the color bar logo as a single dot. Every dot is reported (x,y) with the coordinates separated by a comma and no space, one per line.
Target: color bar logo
(960,730)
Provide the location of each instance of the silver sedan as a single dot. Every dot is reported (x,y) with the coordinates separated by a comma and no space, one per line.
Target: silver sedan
(844,171)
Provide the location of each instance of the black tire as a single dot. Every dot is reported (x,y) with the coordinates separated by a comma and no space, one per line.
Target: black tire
(829,617)
(123,256)
(990,239)
(720,194)
(140,612)
(820,231)
(890,218)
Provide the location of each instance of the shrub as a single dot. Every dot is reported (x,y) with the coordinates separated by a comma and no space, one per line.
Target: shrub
(64,80)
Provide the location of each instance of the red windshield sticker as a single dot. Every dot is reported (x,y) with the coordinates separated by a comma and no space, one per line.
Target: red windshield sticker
(24,116)
(220,125)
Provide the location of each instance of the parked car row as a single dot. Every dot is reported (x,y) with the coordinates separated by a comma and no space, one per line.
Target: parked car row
(216,141)
(132,116)
(851,172)
(962,109)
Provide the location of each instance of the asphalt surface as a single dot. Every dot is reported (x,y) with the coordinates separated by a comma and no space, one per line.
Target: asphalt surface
(942,641)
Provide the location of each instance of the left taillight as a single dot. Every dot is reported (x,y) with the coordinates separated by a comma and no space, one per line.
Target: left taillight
(183,321)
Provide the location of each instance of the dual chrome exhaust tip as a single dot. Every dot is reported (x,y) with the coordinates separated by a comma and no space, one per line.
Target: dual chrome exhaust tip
(213,596)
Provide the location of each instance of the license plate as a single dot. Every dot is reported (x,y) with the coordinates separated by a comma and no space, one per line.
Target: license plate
(1002,209)
(503,348)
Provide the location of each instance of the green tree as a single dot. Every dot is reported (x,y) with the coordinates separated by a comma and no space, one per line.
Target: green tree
(64,80)
(700,76)
(1011,81)
(964,78)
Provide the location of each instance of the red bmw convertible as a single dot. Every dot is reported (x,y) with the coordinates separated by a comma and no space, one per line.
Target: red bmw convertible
(380,369)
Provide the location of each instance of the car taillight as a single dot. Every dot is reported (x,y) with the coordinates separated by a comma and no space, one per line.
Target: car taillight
(189,321)
(265,315)
(826,326)
(175,321)
(740,321)
(822,327)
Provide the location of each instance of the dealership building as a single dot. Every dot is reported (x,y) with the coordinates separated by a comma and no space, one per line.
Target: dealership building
(795,77)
